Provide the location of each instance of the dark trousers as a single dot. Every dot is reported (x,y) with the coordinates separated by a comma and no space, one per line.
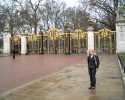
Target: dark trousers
(92,74)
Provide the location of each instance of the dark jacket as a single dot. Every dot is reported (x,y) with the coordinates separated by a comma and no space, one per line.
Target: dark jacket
(93,62)
(97,60)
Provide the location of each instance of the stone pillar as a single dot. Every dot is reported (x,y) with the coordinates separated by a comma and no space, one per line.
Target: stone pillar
(110,39)
(90,38)
(99,42)
(23,45)
(120,36)
(6,43)
(120,31)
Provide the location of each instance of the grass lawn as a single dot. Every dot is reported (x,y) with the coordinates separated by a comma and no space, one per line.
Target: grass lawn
(122,55)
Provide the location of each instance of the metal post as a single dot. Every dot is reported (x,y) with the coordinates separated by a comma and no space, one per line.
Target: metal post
(69,44)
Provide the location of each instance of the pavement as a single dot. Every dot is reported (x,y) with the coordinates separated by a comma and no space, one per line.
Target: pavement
(27,68)
(72,82)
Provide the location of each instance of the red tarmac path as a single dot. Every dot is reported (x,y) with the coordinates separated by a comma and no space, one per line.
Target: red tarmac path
(23,69)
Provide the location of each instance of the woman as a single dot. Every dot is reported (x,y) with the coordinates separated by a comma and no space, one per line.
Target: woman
(93,64)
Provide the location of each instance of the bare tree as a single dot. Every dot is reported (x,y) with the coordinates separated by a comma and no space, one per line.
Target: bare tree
(9,9)
(3,18)
(35,8)
(79,18)
(53,13)
(104,11)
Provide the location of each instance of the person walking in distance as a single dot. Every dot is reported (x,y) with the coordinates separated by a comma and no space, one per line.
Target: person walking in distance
(14,52)
(93,65)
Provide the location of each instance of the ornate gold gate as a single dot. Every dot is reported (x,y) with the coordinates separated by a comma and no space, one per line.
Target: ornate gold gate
(105,41)
(55,42)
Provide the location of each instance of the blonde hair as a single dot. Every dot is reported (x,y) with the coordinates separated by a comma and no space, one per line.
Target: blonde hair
(91,51)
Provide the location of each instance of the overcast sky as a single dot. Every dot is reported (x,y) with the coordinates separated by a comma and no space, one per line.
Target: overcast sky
(71,3)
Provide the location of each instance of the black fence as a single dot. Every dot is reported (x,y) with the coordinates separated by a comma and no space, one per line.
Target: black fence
(1,45)
(121,62)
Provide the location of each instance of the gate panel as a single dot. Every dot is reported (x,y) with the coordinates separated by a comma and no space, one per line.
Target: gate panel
(105,41)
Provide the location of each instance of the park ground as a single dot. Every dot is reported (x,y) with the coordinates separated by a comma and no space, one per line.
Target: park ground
(59,77)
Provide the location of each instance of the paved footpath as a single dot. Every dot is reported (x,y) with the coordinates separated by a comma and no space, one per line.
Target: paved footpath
(72,82)
(14,73)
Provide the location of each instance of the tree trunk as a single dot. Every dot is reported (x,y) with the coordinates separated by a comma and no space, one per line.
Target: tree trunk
(35,23)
